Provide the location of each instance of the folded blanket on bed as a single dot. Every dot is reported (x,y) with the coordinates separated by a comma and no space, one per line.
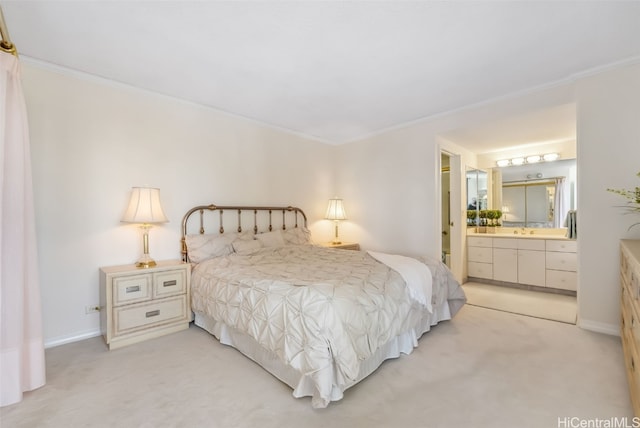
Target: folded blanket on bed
(415,273)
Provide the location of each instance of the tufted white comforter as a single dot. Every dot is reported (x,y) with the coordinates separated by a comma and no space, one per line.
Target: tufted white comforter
(321,311)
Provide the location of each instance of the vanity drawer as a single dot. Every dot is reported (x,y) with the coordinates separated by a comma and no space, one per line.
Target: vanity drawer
(561,245)
(479,241)
(531,244)
(131,289)
(480,254)
(562,279)
(562,261)
(140,316)
(480,270)
(505,243)
(169,283)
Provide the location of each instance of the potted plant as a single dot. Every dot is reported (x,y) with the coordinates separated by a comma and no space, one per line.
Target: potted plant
(472,216)
(482,225)
(491,221)
(498,217)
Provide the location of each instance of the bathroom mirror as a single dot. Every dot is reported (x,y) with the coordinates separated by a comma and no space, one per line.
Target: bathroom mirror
(477,195)
(537,195)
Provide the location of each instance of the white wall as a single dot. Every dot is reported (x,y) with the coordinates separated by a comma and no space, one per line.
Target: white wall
(92,140)
(608,157)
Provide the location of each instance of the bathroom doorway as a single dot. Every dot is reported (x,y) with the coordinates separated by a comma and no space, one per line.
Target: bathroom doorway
(445,203)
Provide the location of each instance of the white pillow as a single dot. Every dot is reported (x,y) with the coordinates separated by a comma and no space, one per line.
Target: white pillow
(297,236)
(203,247)
(246,235)
(245,247)
(271,239)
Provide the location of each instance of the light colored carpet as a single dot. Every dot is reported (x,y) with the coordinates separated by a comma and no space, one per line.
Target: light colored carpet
(484,368)
(555,307)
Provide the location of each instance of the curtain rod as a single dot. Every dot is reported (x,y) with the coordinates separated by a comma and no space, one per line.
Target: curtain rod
(5,42)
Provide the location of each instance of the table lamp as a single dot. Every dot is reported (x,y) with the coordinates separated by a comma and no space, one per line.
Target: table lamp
(336,212)
(145,208)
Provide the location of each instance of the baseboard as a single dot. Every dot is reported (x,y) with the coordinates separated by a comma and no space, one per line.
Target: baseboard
(599,327)
(63,340)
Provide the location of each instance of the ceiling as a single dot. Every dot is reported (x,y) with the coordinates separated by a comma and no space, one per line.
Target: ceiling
(337,71)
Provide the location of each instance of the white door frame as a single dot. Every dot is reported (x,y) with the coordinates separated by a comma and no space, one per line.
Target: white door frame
(457,221)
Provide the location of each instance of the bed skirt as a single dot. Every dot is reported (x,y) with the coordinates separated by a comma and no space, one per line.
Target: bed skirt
(304,385)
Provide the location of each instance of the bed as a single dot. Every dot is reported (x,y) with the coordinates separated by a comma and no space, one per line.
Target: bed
(319,319)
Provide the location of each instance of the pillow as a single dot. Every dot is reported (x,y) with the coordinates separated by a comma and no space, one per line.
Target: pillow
(245,247)
(271,239)
(246,235)
(203,247)
(297,236)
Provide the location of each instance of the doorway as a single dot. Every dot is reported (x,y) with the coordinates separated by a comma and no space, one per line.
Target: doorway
(445,204)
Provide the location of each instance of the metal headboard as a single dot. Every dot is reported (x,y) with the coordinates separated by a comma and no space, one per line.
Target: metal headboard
(202,209)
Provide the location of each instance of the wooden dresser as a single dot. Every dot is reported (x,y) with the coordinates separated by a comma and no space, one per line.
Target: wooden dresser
(630,316)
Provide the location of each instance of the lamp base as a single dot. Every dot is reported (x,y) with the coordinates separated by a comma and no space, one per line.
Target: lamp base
(146,262)
(336,242)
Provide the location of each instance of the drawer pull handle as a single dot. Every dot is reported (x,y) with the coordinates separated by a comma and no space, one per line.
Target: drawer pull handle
(133,289)
(170,283)
(152,313)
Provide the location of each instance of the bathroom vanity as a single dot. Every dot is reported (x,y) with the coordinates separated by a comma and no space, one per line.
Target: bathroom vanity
(528,258)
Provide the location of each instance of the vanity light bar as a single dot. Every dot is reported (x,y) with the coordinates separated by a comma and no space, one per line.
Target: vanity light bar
(534,159)
(549,157)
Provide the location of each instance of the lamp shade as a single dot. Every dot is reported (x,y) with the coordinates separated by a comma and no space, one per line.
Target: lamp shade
(144,207)
(335,210)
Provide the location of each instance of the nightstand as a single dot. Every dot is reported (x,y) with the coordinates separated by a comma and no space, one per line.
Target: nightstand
(137,304)
(343,245)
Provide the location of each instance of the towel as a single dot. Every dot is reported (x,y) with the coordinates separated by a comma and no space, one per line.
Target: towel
(571,224)
(416,275)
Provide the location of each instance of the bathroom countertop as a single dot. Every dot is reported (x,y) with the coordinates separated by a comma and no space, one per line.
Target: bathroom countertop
(527,235)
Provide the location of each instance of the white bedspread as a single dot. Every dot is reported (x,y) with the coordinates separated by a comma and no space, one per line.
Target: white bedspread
(320,311)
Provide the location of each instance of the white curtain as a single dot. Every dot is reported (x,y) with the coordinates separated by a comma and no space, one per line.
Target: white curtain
(22,365)
(559,203)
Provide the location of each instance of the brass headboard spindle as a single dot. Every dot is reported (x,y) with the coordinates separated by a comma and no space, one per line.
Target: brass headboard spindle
(284,227)
(270,226)
(221,230)
(201,222)
(255,221)
(239,221)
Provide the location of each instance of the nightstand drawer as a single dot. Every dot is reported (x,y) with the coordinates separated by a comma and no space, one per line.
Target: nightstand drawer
(131,289)
(169,283)
(135,317)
